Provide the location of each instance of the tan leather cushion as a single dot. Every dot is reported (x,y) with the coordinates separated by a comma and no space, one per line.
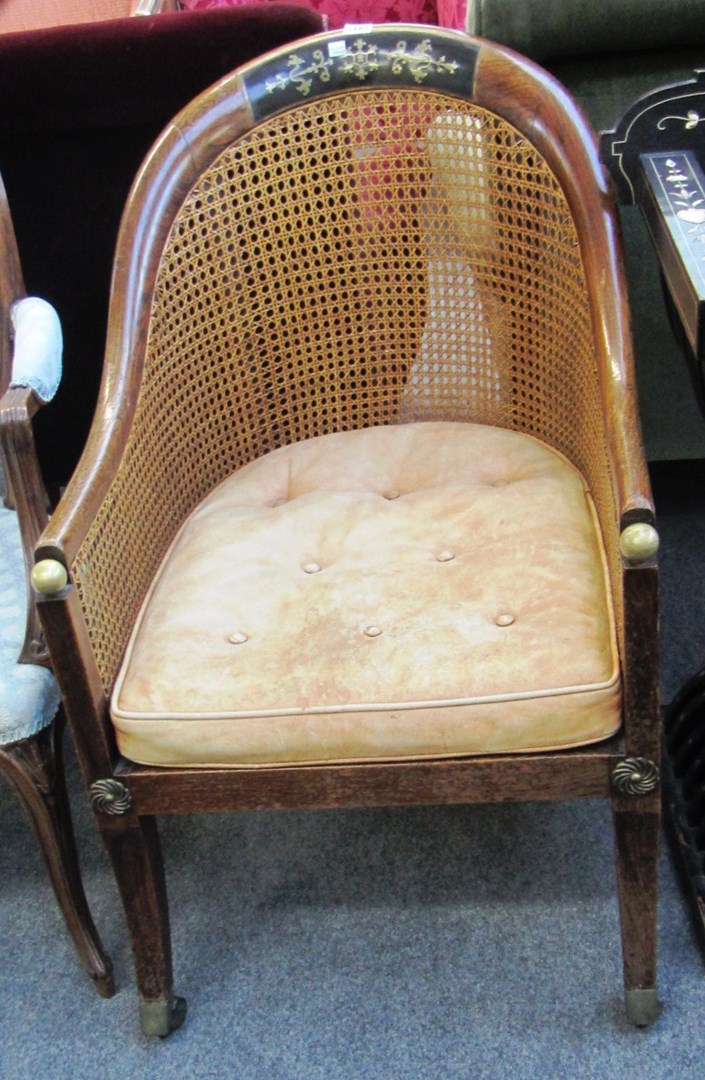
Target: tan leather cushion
(420,590)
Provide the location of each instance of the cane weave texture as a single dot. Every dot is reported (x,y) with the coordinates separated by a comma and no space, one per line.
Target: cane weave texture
(373,257)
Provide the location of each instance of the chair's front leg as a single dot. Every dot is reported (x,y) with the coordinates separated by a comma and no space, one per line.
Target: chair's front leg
(34,767)
(636,790)
(135,852)
(637,826)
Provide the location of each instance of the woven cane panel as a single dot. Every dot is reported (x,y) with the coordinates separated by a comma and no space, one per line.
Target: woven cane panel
(370,258)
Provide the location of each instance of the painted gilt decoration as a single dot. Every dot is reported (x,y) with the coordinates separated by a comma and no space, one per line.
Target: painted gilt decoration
(686,196)
(635,776)
(301,74)
(689,121)
(360,59)
(667,119)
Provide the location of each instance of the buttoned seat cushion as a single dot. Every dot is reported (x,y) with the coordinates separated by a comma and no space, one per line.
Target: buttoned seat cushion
(421,590)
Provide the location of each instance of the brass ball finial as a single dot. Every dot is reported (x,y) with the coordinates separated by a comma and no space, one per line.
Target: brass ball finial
(639,542)
(49,577)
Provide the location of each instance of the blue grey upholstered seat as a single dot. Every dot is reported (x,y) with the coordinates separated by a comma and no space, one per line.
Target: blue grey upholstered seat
(29,696)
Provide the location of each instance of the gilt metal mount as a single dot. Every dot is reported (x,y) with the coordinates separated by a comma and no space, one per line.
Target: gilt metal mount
(110,797)
(635,776)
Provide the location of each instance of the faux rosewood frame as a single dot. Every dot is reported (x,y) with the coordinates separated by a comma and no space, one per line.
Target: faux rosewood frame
(128,797)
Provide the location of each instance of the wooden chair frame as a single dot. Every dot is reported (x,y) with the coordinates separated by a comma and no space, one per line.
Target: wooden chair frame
(128,798)
(34,765)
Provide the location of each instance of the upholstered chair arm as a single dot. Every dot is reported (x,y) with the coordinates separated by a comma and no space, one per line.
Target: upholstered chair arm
(35,375)
(545,29)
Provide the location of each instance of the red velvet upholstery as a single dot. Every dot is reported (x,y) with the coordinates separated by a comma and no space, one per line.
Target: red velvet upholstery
(339,12)
(81,107)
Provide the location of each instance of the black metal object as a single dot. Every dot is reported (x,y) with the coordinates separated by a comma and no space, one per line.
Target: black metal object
(684,789)
(671,193)
(669,118)
(656,157)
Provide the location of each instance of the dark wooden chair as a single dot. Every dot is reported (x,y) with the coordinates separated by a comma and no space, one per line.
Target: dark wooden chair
(31,720)
(363,518)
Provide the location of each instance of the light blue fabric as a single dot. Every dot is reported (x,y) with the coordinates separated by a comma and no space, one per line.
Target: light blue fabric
(38,347)
(29,696)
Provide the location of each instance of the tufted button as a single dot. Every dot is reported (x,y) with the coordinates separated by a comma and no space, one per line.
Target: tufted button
(312,568)
(505,620)
(238,638)
(392,494)
(445,556)
(372,631)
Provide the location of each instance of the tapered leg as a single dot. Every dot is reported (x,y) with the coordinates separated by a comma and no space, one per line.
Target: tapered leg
(637,835)
(35,769)
(135,852)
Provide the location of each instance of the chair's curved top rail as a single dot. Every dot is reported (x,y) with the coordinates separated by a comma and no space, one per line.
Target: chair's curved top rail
(391,57)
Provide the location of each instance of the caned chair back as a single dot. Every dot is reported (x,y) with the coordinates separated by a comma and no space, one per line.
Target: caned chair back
(361,232)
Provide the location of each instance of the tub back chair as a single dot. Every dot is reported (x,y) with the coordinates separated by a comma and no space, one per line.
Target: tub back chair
(363,518)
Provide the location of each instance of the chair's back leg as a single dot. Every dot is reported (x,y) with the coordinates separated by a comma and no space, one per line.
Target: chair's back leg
(35,769)
(637,825)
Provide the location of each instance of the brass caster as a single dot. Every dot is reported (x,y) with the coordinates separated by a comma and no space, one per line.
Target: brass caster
(162,1017)
(643,1007)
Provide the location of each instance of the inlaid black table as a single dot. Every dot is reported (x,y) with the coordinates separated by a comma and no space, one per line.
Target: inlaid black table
(656,157)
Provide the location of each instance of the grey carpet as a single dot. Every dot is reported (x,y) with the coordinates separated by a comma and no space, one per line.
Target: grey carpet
(464,942)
